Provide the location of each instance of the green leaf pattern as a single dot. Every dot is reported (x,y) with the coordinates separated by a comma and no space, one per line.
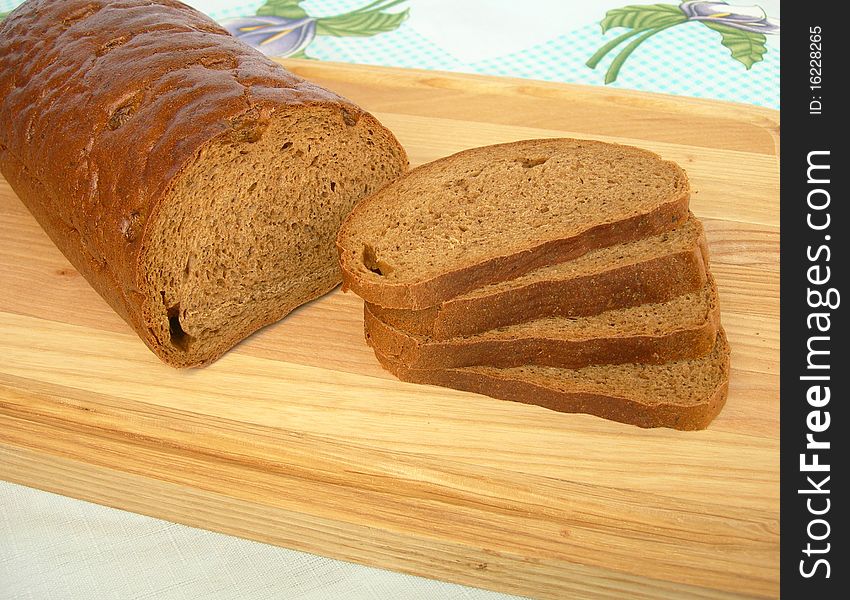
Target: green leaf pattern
(283,28)
(746,47)
(642,16)
(360,24)
(644,21)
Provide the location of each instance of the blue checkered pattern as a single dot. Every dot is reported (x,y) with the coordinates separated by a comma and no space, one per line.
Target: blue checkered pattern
(686,60)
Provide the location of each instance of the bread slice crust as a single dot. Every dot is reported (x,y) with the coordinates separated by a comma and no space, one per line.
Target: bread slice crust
(585,391)
(688,329)
(362,240)
(605,281)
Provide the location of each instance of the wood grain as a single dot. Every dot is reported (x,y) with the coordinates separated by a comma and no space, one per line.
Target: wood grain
(298,438)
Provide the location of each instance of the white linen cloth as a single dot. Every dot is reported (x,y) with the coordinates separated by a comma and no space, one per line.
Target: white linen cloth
(58,548)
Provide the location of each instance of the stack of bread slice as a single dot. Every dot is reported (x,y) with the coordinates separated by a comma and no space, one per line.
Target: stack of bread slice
(564,273)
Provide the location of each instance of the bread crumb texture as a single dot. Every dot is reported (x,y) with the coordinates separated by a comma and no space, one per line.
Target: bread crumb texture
(501,200)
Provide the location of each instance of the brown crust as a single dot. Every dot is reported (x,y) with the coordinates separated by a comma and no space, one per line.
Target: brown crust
(91,162)
(431,292)
(612,407)
(420,352)
(656,280)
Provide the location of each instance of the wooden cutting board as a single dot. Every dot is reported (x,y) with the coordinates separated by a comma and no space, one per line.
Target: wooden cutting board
(298,438)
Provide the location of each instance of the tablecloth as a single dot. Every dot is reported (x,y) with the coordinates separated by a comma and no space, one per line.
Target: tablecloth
(56,547)
(701,49)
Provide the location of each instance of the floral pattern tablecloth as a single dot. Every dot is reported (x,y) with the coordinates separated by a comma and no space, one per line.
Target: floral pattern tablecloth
(694,48)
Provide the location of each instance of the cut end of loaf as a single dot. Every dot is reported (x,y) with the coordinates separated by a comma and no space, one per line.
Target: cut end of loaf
(246,233)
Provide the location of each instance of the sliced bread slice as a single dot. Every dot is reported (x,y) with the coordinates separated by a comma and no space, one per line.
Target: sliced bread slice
(684,327)
(684,394)
(494,213)
(653,269)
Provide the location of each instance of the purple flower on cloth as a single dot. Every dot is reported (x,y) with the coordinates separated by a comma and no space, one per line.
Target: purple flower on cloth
(745,18)
(742,29)
(275,36)
(283,28)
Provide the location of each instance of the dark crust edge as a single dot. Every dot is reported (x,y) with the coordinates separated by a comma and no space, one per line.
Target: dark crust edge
(614,408)
(419,352)
(461,316)
(113,268)
(431,292)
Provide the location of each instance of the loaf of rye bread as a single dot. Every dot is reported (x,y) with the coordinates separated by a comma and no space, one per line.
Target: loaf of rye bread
(654,269)
(495,213)
(197,185)
(684,327)
(684,394)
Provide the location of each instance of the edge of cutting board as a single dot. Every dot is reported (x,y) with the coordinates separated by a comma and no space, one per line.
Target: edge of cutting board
(537,97)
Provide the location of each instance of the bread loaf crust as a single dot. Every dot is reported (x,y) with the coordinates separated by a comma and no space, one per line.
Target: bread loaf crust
(656,280)
(608,406)
(104,103)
